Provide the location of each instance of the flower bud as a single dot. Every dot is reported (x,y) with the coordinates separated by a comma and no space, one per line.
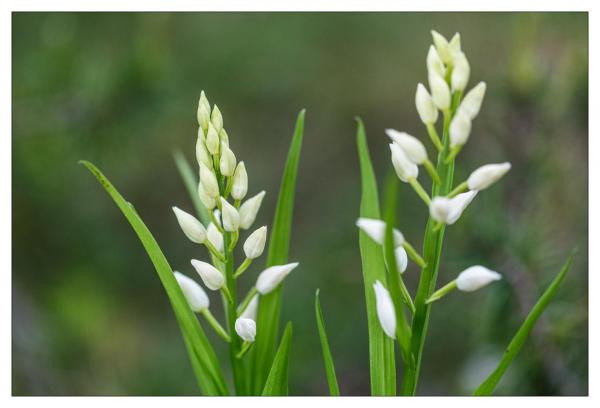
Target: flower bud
(486,175)
(212,140)
(251,310)
(472,101)
(440,209)
(476,277)
(227,164)
(460,72)
(216,119)
(255,243)
(192,228)
(211,276)
(440,93)
(460,129)
(209,181)
(427,110)
(201,135)
(249,210)
(208,201)
(385,310)
(454,44)
(202,155)
(401,259)
(459,204)
(204,101)
(193,293)
(405,169)
(245,328)
(231,218)
(442,46)
(240,182)
(375,229)
(434,63)
(412,147)
(224,136)
(271,277)
(203,114)
(215,237)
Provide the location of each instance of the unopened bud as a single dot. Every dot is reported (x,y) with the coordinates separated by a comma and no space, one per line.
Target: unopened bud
(211,276)
(271,277)
(412,147)
(209,181)
(375,229)
(215,237)
(486,175)
(202,155)
(460,72)
(203,114)
(454,44)
(212,140)
(208,201)
(245,328)
(216,119)
(476,277)
(231,218)
(224,136)
(440,93)
(255,243)
(240,182)
(193,293)
(228,161)
(249,210)
(385,309)
(442,46)
(460,129)
(401,259)
(434,62)
(427,110)
(405,168)
(471,103)
(191,227)
(251,310)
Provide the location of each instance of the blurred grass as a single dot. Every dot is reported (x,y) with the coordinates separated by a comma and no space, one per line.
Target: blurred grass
(121,90)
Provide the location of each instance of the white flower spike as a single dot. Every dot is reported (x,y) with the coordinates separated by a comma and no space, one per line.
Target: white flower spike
(375,229)
(249,210)
(471,103)
(211,276)
(215,237)
(460,129)
(385,310)
(412,147)
(228,161)
(271,277)
(440,92)
(240,182)
(476,277)
(209,181)
(427,110)
(255,243)
(487,175)
(231,218)
(252,308)
(191,227)
(193,293)
(404,167)
(246,329)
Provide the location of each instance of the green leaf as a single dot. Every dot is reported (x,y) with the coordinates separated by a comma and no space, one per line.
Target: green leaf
(381,347)
(334,390)
(270,305)
(203,358)
(277,381)
(490,383)
(191,184)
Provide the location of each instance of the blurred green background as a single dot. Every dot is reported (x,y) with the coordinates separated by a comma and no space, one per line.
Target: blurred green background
(89,314)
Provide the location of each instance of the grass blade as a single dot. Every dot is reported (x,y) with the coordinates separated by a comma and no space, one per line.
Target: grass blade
(204,360)
(490,383)
(381,347)
(334,389)
(277,381)
(270,305)
(191,184)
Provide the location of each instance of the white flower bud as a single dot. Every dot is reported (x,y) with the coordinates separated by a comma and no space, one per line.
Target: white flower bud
(193,293)
(212,140)
(405,169)
(203,115)
(401,259)
(249,210)
(215,237)
(251,310)
(427,110)
(231,218)
(385,310)
(460,72)
(412,147)
(192,228)
(240,182)
(442,46)
(201,134)
(228,161)
(440,209)
(204,101)
(434,63)
(375,229)
(476,277)
(216,119)
(208,201)
(255,243)
(211,276)
(471,103)
(224,136)
(245,328)
(271,277)
(459,205)
(486,175)
(460,129)
(209,181)
(202,155)
(454,44)
(440,93)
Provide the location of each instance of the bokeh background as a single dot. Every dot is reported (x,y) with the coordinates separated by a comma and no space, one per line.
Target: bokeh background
(89,314)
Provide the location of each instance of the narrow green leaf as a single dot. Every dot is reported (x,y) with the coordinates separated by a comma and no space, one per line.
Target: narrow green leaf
(490,383)
(270,305)
(277,381)
(334,389)
(381,347)
(191,185)
(204,360)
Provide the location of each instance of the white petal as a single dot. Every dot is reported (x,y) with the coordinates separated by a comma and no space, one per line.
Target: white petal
(245,328)
(459,204)
(211,276)
(405,169)
(375,229)
(249,210)
(476,277)
(385,310)
(191,227)
(427,110)
(231,217)
(215,237)
(255,243)
(486,175)
(401,259)
(193,293)
(240,182)
(271,277)
(412,147)
(252,308)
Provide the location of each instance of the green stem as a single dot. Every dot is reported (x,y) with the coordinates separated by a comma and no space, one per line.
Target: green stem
(214,251)
(432,172)
(242,268)
(464,186)
(453,153)
(245,347)
(443,291)
(414,183)
(246,300)
(435,138)
(215,325)
(215,221)
(413,254)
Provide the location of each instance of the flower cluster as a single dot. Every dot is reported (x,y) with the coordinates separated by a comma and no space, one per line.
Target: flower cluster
(448,74)
(222,188)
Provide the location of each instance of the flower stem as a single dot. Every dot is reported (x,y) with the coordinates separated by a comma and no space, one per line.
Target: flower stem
(215,325)
(464,186)
(412,253)
(246,300)
(414,183)
(245,347)
(432,172)
(443,291)
(242,268)
(214,251)
(435,138)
